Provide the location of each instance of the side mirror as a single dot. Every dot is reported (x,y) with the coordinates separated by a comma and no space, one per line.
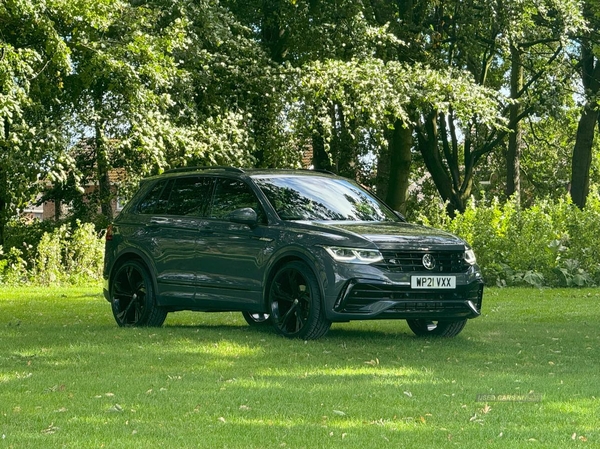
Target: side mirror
(246,216)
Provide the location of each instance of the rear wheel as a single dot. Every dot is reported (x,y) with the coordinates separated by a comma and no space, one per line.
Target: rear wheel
(132,297)
(425,328)
(295,300)
(257,319)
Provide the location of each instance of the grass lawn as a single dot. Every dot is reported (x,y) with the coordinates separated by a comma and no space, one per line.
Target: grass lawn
(525,374)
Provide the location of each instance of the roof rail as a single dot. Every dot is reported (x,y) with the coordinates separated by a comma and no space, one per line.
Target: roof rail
(215,167)
(321,170)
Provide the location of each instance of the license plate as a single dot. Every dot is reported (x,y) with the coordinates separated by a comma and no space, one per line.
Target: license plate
(448,282)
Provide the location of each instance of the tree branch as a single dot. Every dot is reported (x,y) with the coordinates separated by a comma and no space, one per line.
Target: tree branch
(537,42)
(539,74)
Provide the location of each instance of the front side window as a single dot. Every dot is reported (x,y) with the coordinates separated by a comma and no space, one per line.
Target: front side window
(232,194)
(296,197)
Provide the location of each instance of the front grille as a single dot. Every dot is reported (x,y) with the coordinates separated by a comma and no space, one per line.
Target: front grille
(412,261)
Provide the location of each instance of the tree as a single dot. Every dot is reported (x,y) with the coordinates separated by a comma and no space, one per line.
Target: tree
(370,86)
(589,66)
(525,40)
(547,150)
(154,87)
(374,94)
(488,38)
(120,90)
(33,64)
(538,37)
(297,36)
(230,80)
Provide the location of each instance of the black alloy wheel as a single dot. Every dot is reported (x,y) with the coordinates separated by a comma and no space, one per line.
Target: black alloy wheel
(426,328)
(296,306)
(132,297)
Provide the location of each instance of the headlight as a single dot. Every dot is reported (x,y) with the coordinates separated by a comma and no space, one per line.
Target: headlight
(469,256)
(354,255)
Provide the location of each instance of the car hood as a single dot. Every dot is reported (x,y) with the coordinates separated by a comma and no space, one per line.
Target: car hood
(394,234)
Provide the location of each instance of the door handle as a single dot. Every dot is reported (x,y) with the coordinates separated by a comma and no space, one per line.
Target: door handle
(154,222)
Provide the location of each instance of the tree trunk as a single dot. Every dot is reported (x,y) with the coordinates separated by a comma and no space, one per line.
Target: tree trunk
(582,151)
(321,160)
(346,159)
(383,170)
(582,156)
(428,137)
(513,155)
(3,204)
(400,145)
(57,209)
(103,168)
(4,195)
(273,35)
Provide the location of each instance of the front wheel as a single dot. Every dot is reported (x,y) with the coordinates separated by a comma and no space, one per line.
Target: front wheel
(426,328)
(295,300)
(132,297)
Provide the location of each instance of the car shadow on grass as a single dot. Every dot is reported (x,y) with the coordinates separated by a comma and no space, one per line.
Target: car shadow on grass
(338,333)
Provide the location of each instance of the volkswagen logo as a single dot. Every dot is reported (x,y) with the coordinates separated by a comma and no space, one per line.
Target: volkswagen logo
(428,261)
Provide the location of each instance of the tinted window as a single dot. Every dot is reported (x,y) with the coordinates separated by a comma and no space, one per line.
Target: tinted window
(230,195)
(163,201)
(149,204)
(190,196)
(322,198)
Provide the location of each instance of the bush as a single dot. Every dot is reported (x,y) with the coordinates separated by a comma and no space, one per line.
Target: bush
(13,268)
(84,254)
(65,254)
(552,243)
(25,234)
(49,263)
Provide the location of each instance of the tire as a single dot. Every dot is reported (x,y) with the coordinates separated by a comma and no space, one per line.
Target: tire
(257,319)
(295,303)
(132,297)
(447,329)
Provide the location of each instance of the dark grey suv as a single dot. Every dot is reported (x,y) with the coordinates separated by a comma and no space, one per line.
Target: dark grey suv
(297,249)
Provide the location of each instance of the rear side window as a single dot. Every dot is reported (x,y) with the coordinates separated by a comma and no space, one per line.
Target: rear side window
(232,194)
(190,196)
(152,200)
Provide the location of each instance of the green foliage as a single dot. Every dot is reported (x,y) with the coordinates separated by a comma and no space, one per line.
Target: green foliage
(33,60)
(65,254)
(552,243)
(84,255)
(362,98)
(25,234)
(48,265)
(13,267)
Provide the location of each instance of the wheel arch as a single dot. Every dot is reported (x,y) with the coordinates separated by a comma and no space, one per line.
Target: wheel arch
(130,255)
(291,255)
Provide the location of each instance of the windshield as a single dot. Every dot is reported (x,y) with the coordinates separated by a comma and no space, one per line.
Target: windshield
(297,197)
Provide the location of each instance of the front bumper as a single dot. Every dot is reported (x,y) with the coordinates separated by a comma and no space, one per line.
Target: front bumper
(367,299)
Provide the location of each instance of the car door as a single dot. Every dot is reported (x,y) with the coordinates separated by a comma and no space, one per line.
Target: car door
(232,255)
(173,237)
